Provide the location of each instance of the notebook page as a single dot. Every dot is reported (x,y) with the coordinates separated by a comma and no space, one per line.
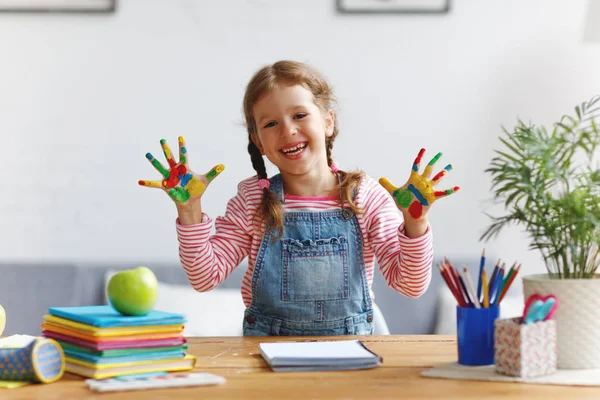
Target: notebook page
(345,349)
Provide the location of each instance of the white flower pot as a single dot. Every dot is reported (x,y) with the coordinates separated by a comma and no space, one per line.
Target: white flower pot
(577,317)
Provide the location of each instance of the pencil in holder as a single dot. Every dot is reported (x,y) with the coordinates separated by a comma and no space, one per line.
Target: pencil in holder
(475,335)
(525,350)
(42,360)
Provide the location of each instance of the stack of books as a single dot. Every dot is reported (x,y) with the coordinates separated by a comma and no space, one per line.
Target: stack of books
(99,342)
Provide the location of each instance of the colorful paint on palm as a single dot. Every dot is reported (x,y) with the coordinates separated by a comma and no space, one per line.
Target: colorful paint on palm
(418,193)
(179,181)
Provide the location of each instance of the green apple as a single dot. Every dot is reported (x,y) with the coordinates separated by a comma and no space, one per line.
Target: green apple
(133,291)
(2,320)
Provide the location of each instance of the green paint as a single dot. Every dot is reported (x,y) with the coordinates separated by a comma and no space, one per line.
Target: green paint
(160,168)
(179,194)
(211,175)
(403,197)
(182,159)
(435,159)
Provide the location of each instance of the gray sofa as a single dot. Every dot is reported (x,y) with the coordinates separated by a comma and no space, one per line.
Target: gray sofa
(27,290)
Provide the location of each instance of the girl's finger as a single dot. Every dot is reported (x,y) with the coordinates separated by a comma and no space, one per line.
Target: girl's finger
(213,173)
(152,184)
(417,163)
(387,185)
(429,168)
(183,157)
(167,152)
(436,179)
(156,164)
(443,193)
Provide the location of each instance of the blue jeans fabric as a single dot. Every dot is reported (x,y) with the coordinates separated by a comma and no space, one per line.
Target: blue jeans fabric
(313,280)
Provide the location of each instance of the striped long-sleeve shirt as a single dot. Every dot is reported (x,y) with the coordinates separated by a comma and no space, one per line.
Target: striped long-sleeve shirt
(208,259)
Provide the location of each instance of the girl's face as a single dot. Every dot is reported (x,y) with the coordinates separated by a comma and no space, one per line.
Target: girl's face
(291,130)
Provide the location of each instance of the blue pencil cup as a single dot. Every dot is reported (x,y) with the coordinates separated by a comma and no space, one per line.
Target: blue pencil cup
(475,334)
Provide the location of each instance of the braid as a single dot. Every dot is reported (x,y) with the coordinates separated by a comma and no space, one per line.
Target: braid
(349,180)
(257,160)
(270,206)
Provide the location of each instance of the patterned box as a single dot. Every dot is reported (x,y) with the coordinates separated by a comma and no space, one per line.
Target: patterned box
(525,350)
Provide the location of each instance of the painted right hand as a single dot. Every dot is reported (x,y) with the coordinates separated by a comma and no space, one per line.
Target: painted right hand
(180,182)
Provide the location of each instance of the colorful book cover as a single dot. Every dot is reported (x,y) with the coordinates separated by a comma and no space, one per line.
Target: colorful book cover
(121,352)
(52,320)
(129,338)
(123,359)
(111,345)
(109,370)
(107,317)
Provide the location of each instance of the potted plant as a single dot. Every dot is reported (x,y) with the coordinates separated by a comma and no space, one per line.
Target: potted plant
(549,183)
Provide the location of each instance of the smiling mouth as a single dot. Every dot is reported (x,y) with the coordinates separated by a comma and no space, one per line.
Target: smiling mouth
(294,150)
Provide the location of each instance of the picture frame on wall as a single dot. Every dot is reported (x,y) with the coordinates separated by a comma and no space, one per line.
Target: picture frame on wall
(58,6)
(393,6)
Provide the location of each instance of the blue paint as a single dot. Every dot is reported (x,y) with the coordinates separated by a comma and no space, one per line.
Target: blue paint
(149,156)
(183,150)
(418,195)
(415,168)
(448,167)
(185,179)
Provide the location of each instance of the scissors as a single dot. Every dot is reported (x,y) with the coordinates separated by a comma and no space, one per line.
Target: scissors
(538,308)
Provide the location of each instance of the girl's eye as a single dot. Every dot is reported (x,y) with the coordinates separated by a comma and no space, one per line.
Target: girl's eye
(270,124)
(300,115)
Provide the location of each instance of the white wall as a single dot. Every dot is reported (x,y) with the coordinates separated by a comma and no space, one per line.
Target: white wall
(83,98)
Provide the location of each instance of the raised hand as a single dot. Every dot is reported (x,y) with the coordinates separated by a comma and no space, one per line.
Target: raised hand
(418,194)
(179,181)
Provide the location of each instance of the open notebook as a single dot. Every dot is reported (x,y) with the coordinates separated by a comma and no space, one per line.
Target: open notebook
(318,356)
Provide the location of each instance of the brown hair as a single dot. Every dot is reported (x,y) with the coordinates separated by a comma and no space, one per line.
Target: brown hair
(263,82)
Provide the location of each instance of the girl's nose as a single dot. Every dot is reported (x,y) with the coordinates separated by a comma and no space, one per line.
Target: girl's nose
(288,129)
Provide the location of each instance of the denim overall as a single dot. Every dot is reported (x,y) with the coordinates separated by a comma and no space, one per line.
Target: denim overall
(313,280)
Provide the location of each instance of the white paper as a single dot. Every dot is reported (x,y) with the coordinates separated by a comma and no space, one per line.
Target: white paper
(330,350)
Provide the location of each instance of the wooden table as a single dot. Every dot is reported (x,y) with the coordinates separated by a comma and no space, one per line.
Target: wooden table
(248,377)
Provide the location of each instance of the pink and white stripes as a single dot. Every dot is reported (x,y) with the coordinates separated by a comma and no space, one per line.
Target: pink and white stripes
(208,260)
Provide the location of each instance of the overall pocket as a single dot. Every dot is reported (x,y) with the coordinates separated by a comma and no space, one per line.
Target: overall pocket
(315,270)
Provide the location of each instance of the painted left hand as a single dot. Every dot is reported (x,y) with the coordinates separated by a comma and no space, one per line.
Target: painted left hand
(417,195)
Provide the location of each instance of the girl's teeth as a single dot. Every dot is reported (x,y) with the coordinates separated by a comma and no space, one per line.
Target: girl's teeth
(294,150)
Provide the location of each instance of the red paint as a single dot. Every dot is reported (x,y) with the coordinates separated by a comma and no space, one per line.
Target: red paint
(415,209)
(419,157)
(439,175)
(171,162)
(442,193)
(173,179)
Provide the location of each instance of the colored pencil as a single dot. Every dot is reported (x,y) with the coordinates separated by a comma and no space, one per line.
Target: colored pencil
(500,286)
(481,265)
(449,284)
(464,288)
(471,287)
(494,282)
(484,289)
(507,284)
(493,277)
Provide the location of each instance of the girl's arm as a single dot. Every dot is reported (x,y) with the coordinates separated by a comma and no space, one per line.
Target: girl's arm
(207,260)
(405,262)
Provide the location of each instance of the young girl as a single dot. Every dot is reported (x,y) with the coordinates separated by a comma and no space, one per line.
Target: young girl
(312,232)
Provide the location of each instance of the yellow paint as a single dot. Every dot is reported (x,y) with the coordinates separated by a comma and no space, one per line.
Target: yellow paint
(427,171)
(167,151)
(154,184)
(195,187)
(387,185)
(424,187)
